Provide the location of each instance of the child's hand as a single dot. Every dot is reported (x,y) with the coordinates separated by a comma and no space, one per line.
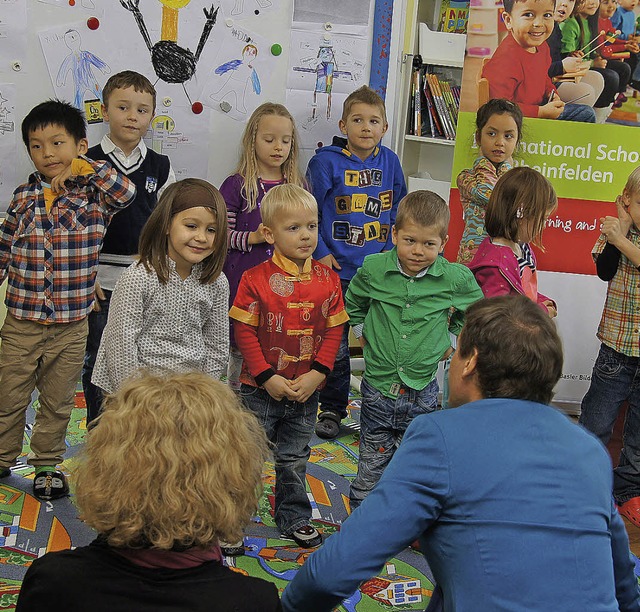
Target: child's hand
(363,342)
(279,387)
(571,63)
(632,45)
(330,261)
(577,53)
(551,309)
(551,110)
(257,237)
(599,62)
(57,182)
(305,385)
(99,295)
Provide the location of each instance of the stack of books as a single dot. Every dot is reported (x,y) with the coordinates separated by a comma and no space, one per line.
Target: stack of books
(435,102)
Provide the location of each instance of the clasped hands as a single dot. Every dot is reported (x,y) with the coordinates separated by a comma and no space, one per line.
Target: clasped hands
(297,390)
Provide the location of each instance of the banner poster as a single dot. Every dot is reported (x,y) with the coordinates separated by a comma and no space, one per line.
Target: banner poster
(588,164)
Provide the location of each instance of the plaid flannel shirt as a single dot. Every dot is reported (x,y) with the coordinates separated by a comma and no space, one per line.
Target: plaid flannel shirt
(51,259)
(619,325)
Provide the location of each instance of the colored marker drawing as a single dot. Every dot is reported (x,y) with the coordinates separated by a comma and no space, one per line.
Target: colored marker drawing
(239,77)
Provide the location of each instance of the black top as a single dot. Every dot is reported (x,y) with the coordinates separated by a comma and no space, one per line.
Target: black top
(95,578)
(607,262)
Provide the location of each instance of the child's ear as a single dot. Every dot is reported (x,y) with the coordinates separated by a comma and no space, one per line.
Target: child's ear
(394,234)
(105,113)
(268,234)
(83,146)
(444,242)
(343,127)
(506,18)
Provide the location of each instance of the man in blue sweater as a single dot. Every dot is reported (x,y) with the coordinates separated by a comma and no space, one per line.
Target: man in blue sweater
(511,501)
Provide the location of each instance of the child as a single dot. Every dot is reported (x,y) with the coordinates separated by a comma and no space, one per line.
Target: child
(358,185)
(129,105)
(624,19)
(169,310)
(175,464)
(579,38)
(269,157)
(498,129)
(586,89)
(518,68)
(399,305)
(615,372)
(49,245)
(518,209)
(288,317)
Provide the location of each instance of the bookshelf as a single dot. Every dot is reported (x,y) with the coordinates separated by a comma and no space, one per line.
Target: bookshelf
(426,161)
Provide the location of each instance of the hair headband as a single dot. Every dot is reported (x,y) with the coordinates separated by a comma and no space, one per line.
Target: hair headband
(192,196)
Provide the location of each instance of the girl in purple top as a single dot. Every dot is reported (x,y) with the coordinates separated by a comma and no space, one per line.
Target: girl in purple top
(269,157)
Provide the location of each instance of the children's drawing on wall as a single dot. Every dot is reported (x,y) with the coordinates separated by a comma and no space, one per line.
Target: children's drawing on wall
(179,135)
(8,179)
(234,86)
(172,62)
(79,65)
(246,8)
(88,5)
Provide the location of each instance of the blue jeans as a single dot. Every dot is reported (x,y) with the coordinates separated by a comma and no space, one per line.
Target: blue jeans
(578,112)
(616,379)
(97,323)
(289,426)
(335,394)
(383,421)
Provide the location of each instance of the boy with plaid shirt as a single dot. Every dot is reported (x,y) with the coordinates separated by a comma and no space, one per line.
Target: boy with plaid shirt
(49,245)
(616,372)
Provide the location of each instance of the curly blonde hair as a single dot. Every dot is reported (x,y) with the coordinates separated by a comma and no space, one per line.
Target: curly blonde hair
(174,462)
(248,166)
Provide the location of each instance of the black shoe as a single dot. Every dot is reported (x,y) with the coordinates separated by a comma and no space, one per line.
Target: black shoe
(306,536)
(635,85)
(232,549)
(50,484)
(328,425)
(4,472)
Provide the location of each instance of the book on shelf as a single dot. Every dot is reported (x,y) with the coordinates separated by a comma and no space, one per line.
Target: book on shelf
(454,16)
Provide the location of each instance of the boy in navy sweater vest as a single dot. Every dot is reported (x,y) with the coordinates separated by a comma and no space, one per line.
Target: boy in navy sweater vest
(129,106)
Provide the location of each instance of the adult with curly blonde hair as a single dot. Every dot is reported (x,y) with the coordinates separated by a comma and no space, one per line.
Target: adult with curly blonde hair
(174,466)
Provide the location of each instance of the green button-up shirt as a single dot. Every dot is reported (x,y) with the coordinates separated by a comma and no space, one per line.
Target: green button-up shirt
(407,319)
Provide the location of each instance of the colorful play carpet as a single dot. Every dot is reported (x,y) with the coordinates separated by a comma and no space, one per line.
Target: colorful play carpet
(629,112)
(29,528)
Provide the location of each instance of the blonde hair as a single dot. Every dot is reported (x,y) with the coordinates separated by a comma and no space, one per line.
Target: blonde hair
(633,182)
(364,95)
(175,461)
(521,194)
(248,166)
(154,245)
(284,198)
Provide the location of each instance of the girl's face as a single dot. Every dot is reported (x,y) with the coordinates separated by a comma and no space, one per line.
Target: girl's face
(274,138)
(588,7)
(498,138)
(190,238)
(564,9)
(607,8)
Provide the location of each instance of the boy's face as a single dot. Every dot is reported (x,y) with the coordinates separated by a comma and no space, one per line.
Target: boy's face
(631,200)
(530,22)
(364,128)
(52,149)
(418,245)
(607,8)
(564,8)
(294,234)
(629,5)
(129,113)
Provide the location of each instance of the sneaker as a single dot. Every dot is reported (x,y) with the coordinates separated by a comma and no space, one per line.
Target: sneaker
(635,84)
(50,484)
(306,536)
(328,425)
(232,549)
(631,510)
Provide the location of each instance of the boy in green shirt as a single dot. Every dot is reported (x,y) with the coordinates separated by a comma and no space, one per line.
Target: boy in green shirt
(399,305)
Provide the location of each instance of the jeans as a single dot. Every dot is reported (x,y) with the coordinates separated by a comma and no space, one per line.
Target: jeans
(578,112)
(289,426)
(616,379)
(383,421)
(97,323)
(335,394)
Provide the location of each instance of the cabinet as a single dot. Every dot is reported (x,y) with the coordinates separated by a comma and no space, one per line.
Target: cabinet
(426,161)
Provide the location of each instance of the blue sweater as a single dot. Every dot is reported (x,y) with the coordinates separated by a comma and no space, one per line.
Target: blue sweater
(512,503)
(357,202)
(625,21)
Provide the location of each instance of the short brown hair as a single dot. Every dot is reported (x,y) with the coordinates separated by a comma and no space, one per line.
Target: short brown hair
(508,4)
(285,197)
(154,236)
(364,95)
(519,351)
(175,461)
(520,193)
(424,208)
(125,79)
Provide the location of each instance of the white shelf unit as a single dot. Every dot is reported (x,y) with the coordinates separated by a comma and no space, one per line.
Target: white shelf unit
(426,161)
